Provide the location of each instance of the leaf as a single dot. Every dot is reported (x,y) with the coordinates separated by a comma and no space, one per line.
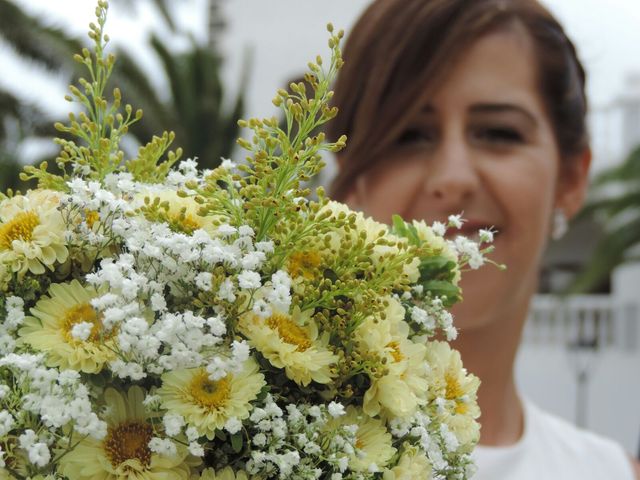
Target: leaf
(437,268)
(237,440)
(449,293)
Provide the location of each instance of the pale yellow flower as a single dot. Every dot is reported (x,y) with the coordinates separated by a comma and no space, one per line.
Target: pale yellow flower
(182,214)
(4,475)
(208,404)
(372,230)
(402,388)
(124,453)
(49,329)
(32,233)
(291,341)
(449,381)
(226,473)
(373,441)
(413,465)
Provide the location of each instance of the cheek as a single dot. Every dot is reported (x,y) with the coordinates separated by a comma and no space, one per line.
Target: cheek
(527,193)
(391,190)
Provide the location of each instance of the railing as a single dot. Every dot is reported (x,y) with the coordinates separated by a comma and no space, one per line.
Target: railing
(586,326)
(589,321)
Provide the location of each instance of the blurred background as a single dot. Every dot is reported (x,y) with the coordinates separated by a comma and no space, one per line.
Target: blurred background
(196,66)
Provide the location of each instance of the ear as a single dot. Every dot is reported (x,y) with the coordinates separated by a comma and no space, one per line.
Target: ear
(573,183)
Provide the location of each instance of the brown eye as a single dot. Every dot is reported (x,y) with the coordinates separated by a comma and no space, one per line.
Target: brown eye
(498,135)
(414,136)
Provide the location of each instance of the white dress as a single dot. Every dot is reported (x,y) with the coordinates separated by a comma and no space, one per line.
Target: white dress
(550,449)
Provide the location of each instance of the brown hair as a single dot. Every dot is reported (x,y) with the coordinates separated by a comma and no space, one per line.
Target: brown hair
(400,46)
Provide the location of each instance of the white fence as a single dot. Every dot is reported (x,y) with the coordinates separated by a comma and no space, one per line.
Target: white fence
(580,358)
(583,321)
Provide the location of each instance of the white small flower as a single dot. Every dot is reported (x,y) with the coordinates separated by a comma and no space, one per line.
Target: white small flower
(6,422)
(226,290)
(259,440)
(162,446)
(192,434)
(225,230)
(246,231)
(233,425)
(203,280)
(485,235)
(68,377)
(158,303)
(265,246)
(455,221)
(173,424)
(81,331)
(439,228)
(228,164)
(39,454)
(336,409)
(196,449)
(249,280)
(27,439)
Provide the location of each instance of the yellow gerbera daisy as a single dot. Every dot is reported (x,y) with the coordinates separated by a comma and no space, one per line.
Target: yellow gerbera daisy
(225,474)
(181,213)
(50,328)
(413,465)
(124,453)
(207,404)
(372,230)
(449,380)
(32,233)
(291,341)
(373,441)
(403,386)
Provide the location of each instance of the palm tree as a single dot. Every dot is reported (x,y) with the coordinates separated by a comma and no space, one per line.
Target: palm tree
(205,125)
(615,201)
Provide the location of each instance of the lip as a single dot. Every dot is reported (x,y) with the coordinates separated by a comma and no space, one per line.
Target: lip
(470,229)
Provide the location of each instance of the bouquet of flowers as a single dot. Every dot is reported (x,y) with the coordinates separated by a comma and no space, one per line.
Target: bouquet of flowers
(162,322)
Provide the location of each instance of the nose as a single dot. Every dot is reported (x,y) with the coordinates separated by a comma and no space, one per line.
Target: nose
(450,176)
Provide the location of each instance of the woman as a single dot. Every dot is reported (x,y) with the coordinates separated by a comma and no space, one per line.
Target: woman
(478,106)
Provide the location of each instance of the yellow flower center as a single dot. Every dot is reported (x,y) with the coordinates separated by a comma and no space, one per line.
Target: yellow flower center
(395,351)
(80,313)
(210,394)
(289,332)
(127,441)
(91,217)
(453,388)
(359,443)
(304,264)
(19,227)
(454,392)
(184,223)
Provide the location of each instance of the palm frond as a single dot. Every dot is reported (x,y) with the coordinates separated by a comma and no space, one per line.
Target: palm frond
(32,38)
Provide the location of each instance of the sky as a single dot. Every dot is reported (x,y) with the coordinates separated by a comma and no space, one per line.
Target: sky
(282,35)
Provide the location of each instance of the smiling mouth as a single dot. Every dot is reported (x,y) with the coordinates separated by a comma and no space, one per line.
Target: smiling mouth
(471,231)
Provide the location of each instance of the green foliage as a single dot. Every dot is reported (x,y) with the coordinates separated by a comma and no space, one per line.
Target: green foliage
(615,200)
(100,127)
(279,161)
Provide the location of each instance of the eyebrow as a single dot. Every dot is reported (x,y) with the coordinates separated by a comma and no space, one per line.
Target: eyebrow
(502,108)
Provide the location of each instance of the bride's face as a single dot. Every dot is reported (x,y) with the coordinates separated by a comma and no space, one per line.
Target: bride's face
(483,145)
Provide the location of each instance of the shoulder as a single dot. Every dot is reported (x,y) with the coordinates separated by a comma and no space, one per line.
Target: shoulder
(592,451)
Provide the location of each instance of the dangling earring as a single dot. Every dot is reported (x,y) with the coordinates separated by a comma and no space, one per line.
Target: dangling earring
(560,224)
